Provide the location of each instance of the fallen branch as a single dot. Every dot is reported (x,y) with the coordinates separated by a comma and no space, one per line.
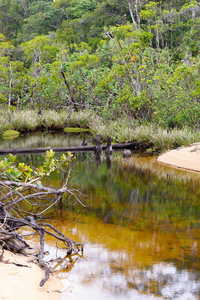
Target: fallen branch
(11,240)
(134,145)
(28,191)
(46,191)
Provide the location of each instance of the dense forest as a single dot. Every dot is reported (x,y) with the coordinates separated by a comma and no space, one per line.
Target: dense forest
(137,58)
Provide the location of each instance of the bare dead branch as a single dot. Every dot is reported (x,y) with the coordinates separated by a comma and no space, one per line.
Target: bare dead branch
(42,198)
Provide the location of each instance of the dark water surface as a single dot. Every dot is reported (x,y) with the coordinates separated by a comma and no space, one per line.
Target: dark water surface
(141,233)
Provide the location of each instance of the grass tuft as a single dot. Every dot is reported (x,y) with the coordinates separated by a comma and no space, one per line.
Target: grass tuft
(124,130)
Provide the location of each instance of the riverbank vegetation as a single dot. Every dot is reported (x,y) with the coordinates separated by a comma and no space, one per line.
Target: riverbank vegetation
(121,130)
(89,63)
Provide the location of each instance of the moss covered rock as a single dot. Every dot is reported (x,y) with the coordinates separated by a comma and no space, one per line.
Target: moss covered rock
(75,130)
(10,134)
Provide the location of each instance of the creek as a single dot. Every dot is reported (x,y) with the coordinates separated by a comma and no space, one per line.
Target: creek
(141,232)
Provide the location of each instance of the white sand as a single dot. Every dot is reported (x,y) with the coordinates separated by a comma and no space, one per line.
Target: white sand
(185,158)
(22,283)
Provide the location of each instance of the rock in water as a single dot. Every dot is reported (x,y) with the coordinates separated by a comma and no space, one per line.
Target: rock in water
(127,153)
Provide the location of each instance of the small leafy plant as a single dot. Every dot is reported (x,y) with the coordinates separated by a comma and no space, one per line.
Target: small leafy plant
(10,170)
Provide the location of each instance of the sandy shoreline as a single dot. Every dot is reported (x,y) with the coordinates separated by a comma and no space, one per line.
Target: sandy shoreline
(187,158)
(22,282)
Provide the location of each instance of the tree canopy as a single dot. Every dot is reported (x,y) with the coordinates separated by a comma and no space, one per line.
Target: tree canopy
(139,58)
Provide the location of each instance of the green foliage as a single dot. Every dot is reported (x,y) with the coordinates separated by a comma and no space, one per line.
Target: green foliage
(43,17)
(77,9)
(5,46)
(9,170)
(95,55)
(39,49)
(22,172)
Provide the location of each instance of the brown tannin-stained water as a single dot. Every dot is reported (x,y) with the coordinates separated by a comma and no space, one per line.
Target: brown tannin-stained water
(141,232)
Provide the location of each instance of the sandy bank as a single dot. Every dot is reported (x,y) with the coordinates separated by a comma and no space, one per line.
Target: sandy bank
(22,281)
(185,158)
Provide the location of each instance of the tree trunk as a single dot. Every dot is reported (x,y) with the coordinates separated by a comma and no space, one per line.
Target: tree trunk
(31,99)
(136,11)
(70,92)
(36,94)
(10,87)
(131,13)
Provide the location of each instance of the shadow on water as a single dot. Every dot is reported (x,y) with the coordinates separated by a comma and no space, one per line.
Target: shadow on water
(141,232)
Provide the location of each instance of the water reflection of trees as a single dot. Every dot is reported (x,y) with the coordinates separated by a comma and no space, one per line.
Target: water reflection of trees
(128,192)
(154,222)
(44,139)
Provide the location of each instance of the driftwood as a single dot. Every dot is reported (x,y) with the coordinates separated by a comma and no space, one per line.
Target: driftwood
(133,145)
(41,198)
(108,150)
(98,147)
(12,241)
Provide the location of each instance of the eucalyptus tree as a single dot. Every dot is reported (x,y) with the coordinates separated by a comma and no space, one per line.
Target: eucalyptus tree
(131,67)
(10,72)
(78,72)
(39,52)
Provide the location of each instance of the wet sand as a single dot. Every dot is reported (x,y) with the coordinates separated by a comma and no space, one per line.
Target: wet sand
(22,281)
(187,158)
